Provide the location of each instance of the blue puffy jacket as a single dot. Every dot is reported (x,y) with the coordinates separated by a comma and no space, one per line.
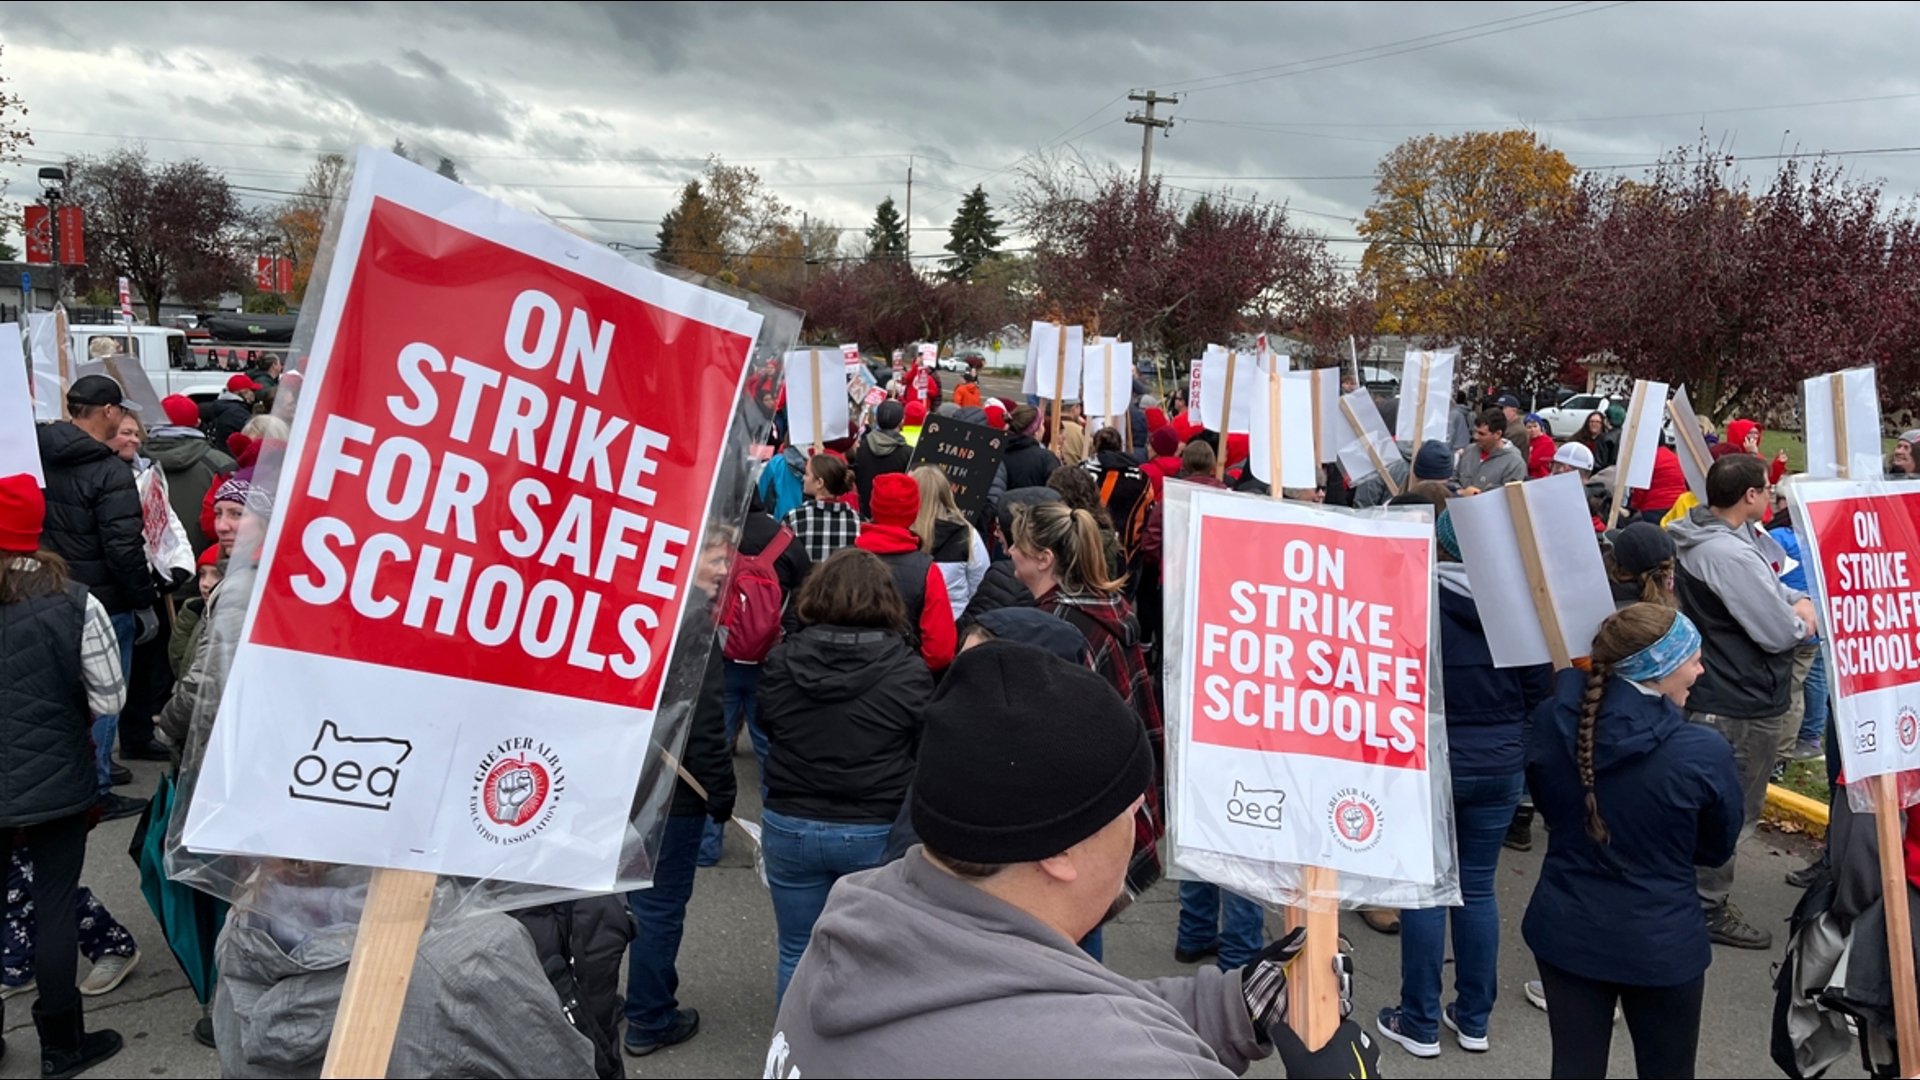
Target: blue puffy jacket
(1628,911)
(1487,707)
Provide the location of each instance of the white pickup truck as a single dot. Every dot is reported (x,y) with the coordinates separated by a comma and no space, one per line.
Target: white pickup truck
(163,355)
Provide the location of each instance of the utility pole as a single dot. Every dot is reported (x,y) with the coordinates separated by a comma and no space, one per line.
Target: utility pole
(1147,124)
(908,254)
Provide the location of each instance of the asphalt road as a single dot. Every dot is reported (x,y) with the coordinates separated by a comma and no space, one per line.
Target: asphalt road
(727,972)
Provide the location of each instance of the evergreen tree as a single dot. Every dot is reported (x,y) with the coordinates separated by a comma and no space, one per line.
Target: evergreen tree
(400,150)
(887,236)
(447,170)
(691,234)
(975,236)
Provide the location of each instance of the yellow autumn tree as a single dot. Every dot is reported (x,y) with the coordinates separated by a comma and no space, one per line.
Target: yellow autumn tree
(1443,208)
(302,220)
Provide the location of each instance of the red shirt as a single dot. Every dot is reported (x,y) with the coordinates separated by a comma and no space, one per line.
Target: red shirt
(1540,452)
(1666,487)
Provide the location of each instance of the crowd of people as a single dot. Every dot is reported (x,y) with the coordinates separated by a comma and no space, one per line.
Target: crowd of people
(956,713)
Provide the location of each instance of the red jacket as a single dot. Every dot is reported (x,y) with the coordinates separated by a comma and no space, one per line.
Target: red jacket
(1666,487)
(1540,451)
(1158,469)
(938,638)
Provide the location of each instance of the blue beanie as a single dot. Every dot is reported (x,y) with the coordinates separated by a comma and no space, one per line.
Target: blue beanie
(1443,531)
(1433,462)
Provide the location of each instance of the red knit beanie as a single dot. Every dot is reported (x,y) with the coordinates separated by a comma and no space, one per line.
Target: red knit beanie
(209,557)
(896,500)
(181,410)
(23,508)
(1164,441)
(916,413)
(996,414)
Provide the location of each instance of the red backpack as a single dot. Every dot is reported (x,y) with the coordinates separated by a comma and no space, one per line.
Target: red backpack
(754,603)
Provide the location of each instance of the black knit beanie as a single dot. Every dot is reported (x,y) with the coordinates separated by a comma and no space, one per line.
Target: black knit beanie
(1641,546)
(1024,755)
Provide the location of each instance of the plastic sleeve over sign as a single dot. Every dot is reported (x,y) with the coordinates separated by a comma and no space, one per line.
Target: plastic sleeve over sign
(1290,668)
(496,430)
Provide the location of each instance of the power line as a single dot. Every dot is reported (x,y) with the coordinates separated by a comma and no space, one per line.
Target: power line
(1396,48)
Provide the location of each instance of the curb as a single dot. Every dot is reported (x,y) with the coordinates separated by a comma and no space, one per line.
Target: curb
(1783,805)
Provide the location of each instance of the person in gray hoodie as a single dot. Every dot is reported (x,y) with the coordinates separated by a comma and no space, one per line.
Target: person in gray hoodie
(478,1003)
(1727,580)
(1491,461)
(960,957)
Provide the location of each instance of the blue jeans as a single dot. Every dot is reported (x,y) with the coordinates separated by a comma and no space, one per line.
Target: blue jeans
(738,698)
(1210,914)
(804,859)
(105,727)
(1482,808)
(660,918)
(1813,725)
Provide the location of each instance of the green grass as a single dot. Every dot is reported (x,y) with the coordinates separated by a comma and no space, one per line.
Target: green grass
(1772,442)
(1808,778)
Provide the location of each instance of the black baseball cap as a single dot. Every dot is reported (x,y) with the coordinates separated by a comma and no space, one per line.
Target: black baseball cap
(1507,401)
(98,390)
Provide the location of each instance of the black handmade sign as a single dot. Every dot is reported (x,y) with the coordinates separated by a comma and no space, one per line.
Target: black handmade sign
(968,453)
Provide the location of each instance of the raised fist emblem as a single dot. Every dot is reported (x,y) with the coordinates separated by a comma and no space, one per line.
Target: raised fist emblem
(513,790)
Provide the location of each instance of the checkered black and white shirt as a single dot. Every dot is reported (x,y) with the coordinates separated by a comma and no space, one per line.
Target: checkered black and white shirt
(823,528)
(99,655)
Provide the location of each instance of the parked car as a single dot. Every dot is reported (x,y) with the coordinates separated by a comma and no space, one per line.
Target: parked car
(1564,419)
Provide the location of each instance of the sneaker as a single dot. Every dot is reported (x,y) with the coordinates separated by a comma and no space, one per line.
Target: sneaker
(1385,920)
(115,807)
(11,990)
(1808,750)
(1778,774)
(1476,1043)
(108,973)
(1536,994)
(686,1023)
(152,751)
(1389,1025)
(1804,877)
(1520,835)
(1726,926)
(203,1032)
(1194,956)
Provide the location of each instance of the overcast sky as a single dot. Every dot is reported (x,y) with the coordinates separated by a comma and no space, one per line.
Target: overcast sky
(601,110)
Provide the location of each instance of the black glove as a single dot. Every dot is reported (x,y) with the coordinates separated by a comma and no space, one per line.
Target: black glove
(146,626)
(1263,979)
(1350,1053)
(720,808)
(177,579)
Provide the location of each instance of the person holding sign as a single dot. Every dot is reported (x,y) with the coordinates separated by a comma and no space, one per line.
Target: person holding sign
(960,957)
(1727,585)
(1636,798)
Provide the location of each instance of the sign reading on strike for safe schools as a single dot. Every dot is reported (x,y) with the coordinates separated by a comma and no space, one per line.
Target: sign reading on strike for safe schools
(1862,544)
(481,548)
(1304,739)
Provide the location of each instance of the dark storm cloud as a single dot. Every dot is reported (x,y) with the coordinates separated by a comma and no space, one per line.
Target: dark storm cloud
(415,89)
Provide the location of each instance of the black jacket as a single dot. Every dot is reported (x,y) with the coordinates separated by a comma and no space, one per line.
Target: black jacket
(1487,706)
(841,711)
(45,724)
(1028,463)
(190,463)
(707,755)
(581,944)
(93,518)
(1001,587)
(223,417)
(878,452)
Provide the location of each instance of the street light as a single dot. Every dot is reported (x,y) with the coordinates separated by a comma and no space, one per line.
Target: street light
(53,186)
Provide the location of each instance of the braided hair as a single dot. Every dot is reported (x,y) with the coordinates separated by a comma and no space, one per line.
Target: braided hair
(1625,632)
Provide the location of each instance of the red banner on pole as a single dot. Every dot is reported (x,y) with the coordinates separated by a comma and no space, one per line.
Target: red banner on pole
(283,276)
(263,273)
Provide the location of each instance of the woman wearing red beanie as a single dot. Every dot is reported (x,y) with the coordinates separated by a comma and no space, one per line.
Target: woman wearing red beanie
(895,504)
(60,664)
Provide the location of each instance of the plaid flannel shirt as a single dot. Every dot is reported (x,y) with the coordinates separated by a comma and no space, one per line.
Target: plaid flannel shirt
(823,527)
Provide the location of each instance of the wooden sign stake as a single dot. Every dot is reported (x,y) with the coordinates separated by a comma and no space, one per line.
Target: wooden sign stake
(1536,574)
(378,974)
(1226,418)
(1626,452)
(1313,1001)
(1059,390)
(1319,441)
(813,376)
(1373,451)
(1420,411)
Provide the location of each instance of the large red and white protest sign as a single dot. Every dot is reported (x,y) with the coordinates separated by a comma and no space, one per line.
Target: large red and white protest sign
(1300,703)
(481,551)
(1861,541)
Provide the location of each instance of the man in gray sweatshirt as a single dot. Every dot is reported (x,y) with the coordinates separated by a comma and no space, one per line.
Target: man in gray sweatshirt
(1491,461)
(1727,578)
(959,959)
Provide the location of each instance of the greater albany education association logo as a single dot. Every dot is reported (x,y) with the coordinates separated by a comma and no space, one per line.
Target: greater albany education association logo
(1354,816)
(516,789)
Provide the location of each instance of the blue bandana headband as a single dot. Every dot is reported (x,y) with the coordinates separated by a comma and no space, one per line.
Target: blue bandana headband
(1663,657)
